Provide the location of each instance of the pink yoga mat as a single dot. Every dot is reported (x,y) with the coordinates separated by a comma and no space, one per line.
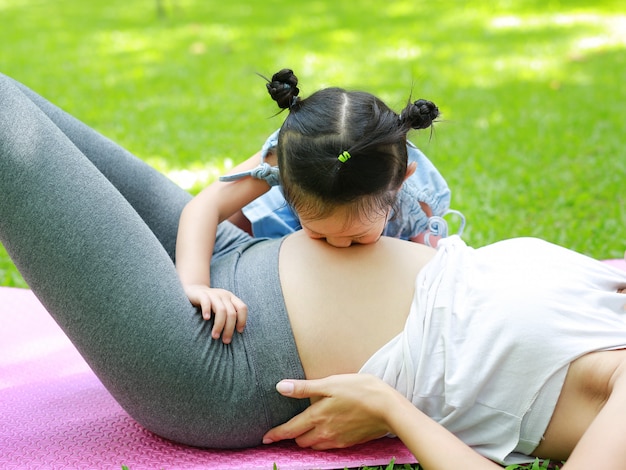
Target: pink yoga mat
(55,414)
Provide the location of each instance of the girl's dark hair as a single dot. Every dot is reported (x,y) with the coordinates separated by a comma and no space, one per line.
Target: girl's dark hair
(330,122)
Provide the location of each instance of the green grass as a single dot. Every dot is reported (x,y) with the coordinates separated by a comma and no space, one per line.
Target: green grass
(531,91)
(536,465)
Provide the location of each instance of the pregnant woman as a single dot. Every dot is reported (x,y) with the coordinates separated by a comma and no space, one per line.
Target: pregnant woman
(516,348)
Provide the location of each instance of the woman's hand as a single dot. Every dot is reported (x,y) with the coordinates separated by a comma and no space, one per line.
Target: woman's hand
(228,311)
(357,408)
(347,410)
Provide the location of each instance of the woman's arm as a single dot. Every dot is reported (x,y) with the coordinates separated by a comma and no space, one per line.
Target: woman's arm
(195,242)
(356,408)
(602,443)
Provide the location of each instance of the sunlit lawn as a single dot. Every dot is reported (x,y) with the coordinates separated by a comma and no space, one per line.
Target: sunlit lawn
(532,92)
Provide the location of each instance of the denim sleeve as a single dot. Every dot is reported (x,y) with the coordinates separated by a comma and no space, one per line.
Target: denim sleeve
(425,185)
(269,214)
(270,143)
(264,171)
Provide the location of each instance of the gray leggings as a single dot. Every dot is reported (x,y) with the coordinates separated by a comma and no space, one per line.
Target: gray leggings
(93,229)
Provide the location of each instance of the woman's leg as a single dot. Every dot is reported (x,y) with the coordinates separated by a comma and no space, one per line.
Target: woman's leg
(153,196)
(78,216)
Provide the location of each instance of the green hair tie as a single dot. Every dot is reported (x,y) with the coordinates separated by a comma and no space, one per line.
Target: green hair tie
(344,157)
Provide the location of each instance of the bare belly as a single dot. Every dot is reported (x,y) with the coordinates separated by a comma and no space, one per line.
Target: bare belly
(587,387)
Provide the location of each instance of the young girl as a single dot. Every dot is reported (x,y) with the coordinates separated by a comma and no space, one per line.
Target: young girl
(347,175)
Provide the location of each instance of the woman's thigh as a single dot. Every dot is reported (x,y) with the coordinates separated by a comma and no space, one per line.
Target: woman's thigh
(92,229)
(151,194)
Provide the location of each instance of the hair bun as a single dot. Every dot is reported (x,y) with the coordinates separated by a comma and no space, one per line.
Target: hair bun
(420,114)
(283,88)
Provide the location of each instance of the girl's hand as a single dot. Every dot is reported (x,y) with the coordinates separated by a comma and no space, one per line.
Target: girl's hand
(350,410)
(228,311)
(433,240)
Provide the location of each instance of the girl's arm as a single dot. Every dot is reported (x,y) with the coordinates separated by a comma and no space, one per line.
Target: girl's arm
(355,408)
(195,242)
(421,237)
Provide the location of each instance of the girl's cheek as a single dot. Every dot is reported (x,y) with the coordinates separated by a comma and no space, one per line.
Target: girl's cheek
(367,240)
(314,236)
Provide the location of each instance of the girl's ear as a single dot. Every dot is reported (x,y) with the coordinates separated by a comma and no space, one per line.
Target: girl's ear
(410,169)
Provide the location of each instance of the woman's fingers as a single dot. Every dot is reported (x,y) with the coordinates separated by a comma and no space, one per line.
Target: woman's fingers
(347,412)
(301,388)
(292,429)
(302,423)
